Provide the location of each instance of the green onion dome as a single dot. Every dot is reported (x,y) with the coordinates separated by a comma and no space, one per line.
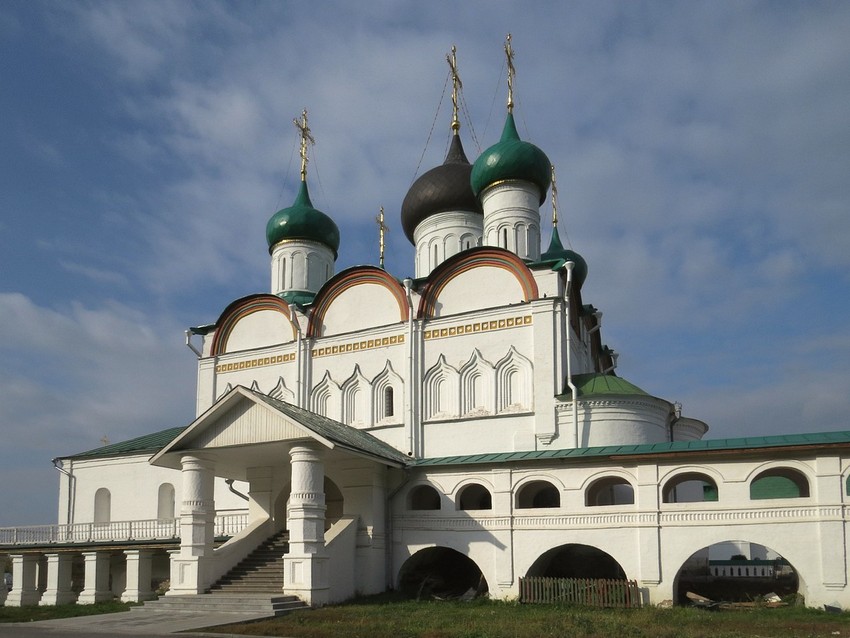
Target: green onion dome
(302,221)
(557,252)
(511,159)
(439,190)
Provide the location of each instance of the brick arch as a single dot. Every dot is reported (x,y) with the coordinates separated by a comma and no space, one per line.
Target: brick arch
(242,308)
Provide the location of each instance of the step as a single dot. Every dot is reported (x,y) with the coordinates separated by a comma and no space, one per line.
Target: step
(226,603)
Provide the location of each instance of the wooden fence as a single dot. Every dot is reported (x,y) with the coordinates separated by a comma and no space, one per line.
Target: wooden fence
(593,592)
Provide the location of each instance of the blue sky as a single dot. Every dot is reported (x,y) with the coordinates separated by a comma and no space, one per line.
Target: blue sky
(702,152)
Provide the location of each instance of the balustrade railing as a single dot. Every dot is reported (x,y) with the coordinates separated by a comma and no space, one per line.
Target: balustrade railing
(225,525)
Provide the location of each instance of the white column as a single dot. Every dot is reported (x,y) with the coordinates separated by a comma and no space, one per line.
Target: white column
(189,569)
(96,587)
(58,590)
(3,591)
(24,590)
(305,566)
(138,586)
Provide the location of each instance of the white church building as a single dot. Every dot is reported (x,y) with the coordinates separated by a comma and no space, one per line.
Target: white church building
(462,427)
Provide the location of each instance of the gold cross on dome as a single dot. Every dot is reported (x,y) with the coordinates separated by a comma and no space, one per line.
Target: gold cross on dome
(509,52)
(382,228)
(306,136)
(456,84)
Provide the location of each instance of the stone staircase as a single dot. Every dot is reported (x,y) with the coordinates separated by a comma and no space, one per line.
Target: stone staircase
(259,605)
(261,572)
(252,587)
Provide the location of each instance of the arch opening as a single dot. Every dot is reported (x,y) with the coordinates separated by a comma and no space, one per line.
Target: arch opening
(334,504)
(735,571)
(691,487)
(538,494)
(440,572)
(576,561)
(474,497)
(424,497)
(610,490)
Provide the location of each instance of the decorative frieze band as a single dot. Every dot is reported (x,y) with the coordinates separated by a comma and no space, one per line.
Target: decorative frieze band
(623,519)
(259,362)
(478,326)
(355,346)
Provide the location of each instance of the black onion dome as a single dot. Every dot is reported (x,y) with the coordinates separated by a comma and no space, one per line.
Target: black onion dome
(442,189)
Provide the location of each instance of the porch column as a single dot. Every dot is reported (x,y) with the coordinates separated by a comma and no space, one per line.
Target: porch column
(96,588)
(24,590)
(138,587)
(58,590)
(3,591)
(305,566)
(189,569)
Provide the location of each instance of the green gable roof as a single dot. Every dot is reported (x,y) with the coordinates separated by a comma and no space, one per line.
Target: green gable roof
(148,443)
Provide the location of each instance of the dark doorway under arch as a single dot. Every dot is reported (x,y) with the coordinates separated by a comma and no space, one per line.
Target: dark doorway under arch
(576,561)
(440,572)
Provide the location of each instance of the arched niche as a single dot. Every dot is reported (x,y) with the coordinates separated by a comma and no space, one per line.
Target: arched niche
(253,322)
(356,299)
(475,279)
(779,482)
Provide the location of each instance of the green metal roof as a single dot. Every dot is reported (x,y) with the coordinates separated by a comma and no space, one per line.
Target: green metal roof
(302,221)
(598,384)
(716,445)
(147,443)
(560,255)
(511,159)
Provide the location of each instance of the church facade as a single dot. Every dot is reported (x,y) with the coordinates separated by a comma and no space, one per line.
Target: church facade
(463,426)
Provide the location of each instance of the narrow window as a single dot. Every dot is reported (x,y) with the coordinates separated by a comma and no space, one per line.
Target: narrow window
(388,402)
(504,238)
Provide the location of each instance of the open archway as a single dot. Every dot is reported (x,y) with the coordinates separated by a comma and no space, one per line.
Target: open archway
(576,561)
(735,571)
(440,572)
(334,504)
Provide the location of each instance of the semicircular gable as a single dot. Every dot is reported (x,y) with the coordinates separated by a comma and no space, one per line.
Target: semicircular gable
(355,299)
(253,322)
(479,278)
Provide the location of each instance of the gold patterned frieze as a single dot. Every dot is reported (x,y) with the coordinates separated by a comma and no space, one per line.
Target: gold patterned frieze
(259,362)
(356,346)
(478,326)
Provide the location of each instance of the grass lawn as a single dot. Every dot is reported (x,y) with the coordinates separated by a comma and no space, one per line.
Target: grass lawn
(379,618)
(30,613)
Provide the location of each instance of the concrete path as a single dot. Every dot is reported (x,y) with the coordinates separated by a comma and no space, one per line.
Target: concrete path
(147,624)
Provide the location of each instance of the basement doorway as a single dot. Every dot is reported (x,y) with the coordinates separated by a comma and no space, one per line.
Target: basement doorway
(576,561)
(736,571)
(440,573)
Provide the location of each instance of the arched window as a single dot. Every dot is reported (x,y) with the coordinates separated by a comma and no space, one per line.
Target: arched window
(779,482)
(611,490)
(102,506)
(165,502)
(538,494)
(389,407)
(691,487)
(424,497)
(504,238)
(474,497)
